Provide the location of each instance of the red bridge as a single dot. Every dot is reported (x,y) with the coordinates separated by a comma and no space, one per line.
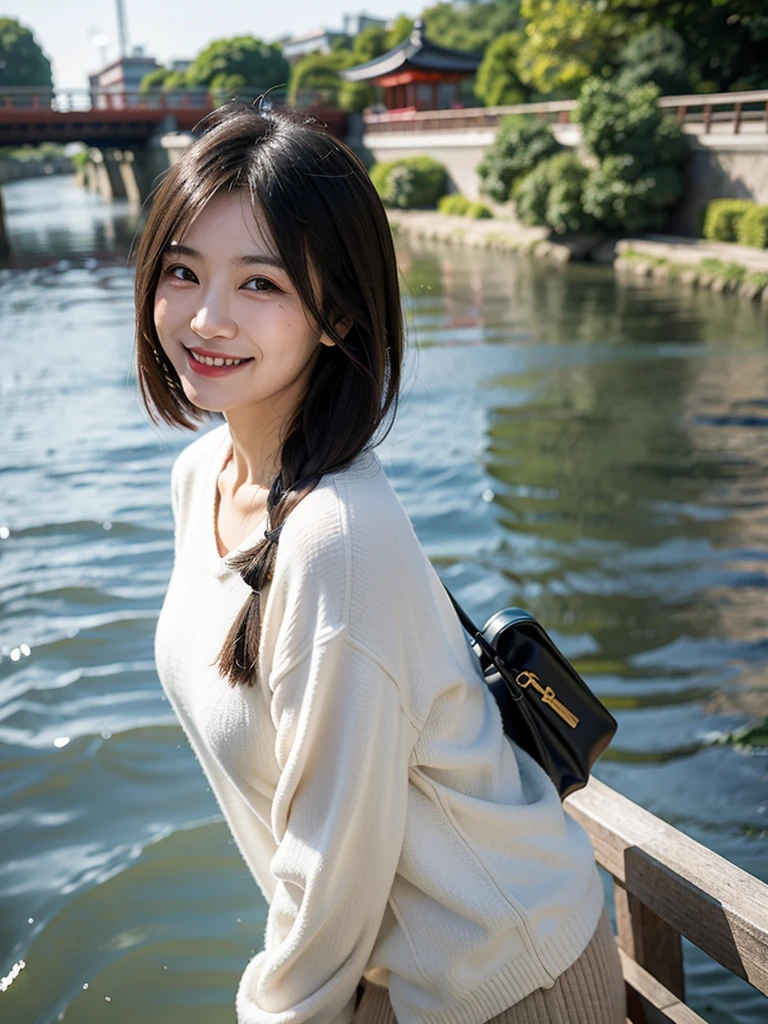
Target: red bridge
(103,119)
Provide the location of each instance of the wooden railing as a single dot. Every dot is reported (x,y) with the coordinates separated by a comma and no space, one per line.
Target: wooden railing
(726,112)
(666,885)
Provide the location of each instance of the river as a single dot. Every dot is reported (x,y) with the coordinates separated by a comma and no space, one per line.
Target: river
(591,449)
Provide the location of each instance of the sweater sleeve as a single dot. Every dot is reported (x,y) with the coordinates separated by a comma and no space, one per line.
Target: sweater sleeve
(343,745)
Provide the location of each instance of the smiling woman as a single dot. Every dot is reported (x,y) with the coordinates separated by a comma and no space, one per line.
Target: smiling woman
(418,866)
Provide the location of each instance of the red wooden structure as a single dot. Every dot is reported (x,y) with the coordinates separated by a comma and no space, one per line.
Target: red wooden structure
(417,74)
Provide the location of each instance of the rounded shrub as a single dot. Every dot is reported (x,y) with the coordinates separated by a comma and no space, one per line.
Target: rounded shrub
(551,195)
(621,200)
(722,218)
(565,210)
(478,211)
(531,194)
(414,181)
(752,227)
(454,204)
(521,143)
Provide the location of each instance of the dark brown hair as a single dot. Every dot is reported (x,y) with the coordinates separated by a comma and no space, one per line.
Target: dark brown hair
(324,213)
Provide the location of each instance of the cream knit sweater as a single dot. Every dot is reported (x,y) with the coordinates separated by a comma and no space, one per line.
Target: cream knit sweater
(392,828)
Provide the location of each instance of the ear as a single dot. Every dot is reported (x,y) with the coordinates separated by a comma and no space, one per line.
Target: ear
(342,326)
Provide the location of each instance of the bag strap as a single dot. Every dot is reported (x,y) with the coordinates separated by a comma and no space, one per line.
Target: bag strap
(498,664)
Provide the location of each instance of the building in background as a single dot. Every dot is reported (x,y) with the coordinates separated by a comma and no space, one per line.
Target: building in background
(117,85)
(321,40)
(417,74)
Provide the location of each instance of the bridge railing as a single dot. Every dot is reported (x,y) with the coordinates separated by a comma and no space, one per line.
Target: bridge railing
(728,112)
(64,101)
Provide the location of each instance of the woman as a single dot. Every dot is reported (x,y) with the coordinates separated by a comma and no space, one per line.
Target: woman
(417,866)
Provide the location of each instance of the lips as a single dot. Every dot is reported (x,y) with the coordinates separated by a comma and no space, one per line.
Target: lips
(215,355)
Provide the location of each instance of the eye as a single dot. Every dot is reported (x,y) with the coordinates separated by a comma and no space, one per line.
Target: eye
(270,285)
(170,271)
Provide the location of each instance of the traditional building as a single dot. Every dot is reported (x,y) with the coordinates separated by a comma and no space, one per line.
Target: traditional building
(417,74)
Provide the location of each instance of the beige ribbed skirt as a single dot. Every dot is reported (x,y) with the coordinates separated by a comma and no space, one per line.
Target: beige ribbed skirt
(591,991)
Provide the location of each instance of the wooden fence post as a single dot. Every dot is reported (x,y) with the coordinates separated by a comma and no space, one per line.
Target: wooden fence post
(650,942)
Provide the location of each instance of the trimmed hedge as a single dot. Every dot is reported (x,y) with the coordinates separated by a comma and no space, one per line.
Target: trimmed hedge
(454,204)
(722,217)
(414,181)
(752,228)
(458,205)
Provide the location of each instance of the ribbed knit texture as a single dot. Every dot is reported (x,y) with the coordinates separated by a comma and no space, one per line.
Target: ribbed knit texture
(393,829)
(590,991)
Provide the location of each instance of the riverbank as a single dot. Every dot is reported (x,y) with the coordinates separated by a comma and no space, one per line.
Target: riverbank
(691,261)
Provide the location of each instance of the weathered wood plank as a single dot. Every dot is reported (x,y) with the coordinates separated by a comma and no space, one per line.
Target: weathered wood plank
(658,1003)
(649,940)
(717,906)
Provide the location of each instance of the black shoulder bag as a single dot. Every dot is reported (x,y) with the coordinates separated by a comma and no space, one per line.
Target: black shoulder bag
(546,707)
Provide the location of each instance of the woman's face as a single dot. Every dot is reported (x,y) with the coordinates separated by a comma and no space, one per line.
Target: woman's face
(223,292)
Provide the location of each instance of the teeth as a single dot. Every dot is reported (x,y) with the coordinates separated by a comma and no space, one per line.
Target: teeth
(215,362)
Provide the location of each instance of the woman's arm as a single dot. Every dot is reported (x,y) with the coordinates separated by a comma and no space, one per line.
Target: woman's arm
(343,745)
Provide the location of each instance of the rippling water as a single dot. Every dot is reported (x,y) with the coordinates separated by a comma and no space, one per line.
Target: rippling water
(592,450)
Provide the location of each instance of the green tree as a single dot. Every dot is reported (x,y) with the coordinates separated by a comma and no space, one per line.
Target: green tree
(22,62)
(318,75)
(656,55)
(497,79)
(567,41)
(472,25)
(154,80)
(402,28)
(369,44)
(238,62)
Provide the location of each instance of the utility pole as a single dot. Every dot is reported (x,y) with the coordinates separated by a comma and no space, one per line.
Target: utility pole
(122,29)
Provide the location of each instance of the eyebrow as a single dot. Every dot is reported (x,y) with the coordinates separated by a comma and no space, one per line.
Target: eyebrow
(248,259)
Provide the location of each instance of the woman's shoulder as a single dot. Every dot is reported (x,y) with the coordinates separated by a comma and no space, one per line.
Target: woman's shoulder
(353,508)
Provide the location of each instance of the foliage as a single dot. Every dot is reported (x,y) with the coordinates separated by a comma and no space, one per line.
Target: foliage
(454,204)
(731,273)
(621,198)
(753,227)
(471,26)
(319,72)
(402,28)
(460,206)
(551,194)
(369,44)
(722,217)
(706,45)
(415,181)
(81,157)
(497,79)
(614,121)
(22,62)
(567,41)
(43,151)
(520,143)
(154,80)
(237,62)
(656,55)
(478,211)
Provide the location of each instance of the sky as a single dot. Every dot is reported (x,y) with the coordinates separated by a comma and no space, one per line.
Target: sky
(169,29)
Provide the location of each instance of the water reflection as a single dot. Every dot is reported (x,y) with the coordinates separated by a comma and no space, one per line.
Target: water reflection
(592,449)
(53,220)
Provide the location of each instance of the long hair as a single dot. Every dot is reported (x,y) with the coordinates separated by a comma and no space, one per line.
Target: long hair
(324,213)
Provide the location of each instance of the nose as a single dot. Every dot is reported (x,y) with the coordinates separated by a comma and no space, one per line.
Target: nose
(212,320)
